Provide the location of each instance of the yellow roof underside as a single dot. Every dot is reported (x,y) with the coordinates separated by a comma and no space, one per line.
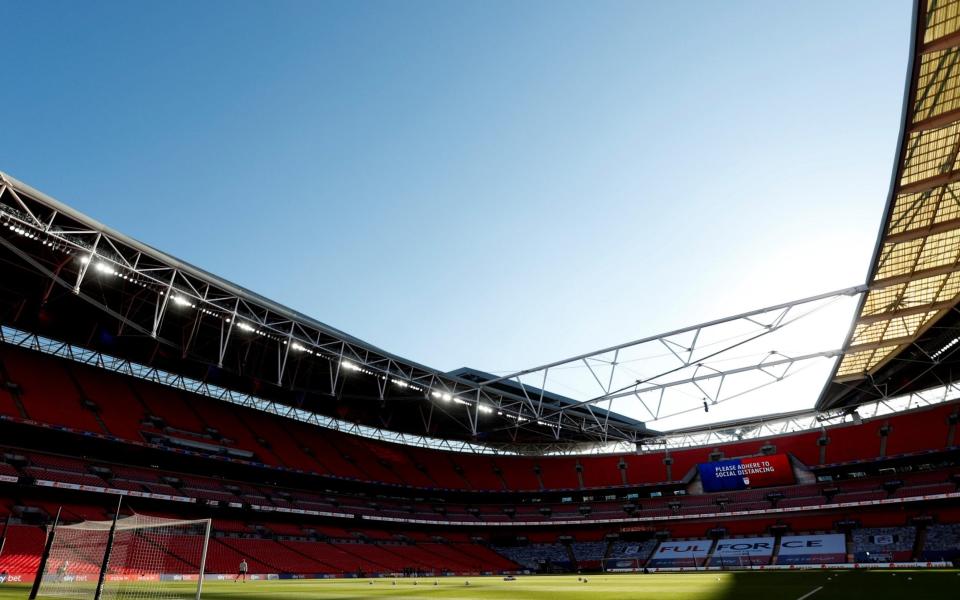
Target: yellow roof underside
(916,278)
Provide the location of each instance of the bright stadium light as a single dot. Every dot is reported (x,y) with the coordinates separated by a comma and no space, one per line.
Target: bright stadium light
(946,347)
(245,326)
(181,301)
(104,268)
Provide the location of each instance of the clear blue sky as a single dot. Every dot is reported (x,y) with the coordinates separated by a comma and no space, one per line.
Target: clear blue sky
(493,184)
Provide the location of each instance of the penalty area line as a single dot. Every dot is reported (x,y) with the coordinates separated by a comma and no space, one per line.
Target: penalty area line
(810,593)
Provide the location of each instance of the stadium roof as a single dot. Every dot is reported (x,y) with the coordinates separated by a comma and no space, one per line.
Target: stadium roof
(906,327)
(72,279)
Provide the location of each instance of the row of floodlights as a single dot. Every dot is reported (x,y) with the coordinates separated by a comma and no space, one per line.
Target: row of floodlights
(27,233)
(436,394)
(32,234)
(521,419)
(348,365)
(946,347)
(107,268)
(448,397)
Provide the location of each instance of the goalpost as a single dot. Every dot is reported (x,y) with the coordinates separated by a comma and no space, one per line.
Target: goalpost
(129,558)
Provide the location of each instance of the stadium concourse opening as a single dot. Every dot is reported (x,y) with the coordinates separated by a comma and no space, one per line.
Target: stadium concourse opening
(165,433)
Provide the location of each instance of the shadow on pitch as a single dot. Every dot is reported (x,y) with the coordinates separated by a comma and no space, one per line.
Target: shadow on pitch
(834,585)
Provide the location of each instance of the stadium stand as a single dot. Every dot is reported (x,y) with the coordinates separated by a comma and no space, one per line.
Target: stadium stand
(293,498)
(92,413)
(589,554)
(630,555)
(186,424)
(883,544)
(942,542)
(538,557)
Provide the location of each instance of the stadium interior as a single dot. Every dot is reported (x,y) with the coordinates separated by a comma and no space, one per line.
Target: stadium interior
(127,372)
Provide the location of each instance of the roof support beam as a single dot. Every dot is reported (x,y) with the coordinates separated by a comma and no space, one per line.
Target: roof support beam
(904,312)
(936,121)
(947,41)
(886,282)
(922,232)
(929,183)
(851,291)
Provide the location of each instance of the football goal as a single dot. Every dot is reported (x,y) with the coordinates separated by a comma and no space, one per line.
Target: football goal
(135,557)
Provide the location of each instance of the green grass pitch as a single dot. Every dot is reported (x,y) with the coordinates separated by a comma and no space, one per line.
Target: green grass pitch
(829,585)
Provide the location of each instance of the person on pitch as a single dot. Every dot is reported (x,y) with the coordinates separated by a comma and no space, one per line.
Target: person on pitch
(242,571)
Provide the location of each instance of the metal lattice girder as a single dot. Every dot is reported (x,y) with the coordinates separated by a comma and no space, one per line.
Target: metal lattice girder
(227,316)
(677,371)
(770,425)
(702,361)
(564,402)
(807,420)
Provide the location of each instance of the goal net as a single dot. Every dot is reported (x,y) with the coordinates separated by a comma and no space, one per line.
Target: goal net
(149,557)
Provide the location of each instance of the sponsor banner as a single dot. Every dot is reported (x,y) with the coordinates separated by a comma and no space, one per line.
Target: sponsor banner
(178,577)
(128,577)
(811,559)
(623,563)
(680,553)
(742,473)
(743,551)
(799,549)
(884,557)
(552,523)
(111,491)
(68,578)
(828,543)
(632,568)
(231,577)
(843,565)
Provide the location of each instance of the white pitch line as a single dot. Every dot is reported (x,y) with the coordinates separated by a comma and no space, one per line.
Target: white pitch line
(808,594)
